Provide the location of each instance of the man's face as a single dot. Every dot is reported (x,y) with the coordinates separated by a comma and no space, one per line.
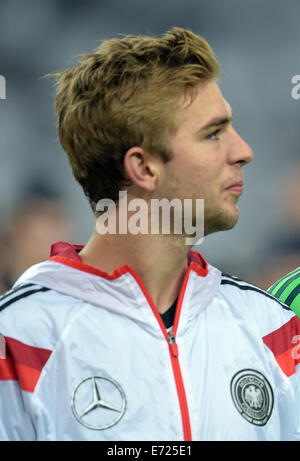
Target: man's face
(208,159)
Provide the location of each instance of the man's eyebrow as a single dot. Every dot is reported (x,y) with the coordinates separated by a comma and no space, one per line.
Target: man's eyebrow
(216,121)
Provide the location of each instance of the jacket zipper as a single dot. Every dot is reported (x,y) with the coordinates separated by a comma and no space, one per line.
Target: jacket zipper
(173,350)
(173,347)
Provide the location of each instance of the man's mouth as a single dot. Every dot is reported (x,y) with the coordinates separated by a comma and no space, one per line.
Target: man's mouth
(237,186)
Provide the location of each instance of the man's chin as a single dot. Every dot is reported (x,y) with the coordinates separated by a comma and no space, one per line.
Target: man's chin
(221,221)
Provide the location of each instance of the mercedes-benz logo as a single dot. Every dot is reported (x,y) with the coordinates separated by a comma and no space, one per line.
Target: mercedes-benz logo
(98,402)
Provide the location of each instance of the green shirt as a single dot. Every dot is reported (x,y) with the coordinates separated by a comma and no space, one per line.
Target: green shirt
(287,290)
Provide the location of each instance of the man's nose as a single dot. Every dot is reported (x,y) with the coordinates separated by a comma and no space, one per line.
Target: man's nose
(240,152)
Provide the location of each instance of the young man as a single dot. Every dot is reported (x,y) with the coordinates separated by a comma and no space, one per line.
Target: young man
(92,350)
(287,290)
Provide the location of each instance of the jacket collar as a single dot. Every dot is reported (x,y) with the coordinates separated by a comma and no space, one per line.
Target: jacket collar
(66,253)
(122,291)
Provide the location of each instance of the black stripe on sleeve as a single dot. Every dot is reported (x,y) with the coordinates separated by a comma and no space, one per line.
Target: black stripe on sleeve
(232,277)
(22,295)
(12,291)
(235,283)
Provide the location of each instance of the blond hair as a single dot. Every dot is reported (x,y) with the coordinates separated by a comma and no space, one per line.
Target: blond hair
(124,95)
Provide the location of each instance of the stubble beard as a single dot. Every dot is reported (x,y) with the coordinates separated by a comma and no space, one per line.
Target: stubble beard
(216,218)
(219,220)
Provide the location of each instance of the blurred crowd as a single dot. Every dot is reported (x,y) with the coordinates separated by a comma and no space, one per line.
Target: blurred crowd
(38,220)
(281,252)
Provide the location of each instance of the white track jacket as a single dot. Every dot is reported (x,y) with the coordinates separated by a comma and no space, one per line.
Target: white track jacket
(85,356)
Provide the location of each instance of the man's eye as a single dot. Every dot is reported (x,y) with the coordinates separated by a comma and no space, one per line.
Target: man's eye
(214,136)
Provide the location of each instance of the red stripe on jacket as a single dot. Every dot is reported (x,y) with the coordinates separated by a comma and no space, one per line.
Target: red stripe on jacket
(23,363)
(285,345)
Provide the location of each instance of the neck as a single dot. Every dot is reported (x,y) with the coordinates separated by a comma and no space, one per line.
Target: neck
(159,260)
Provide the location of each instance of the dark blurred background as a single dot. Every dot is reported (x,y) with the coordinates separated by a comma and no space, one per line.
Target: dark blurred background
(258,46)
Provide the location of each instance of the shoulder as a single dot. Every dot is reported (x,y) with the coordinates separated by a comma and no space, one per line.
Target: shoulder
(32,321)
(35,315)
(255,304)
(274,321)
(244,289)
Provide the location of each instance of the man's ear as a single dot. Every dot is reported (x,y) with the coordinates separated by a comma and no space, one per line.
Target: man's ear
(141,168)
